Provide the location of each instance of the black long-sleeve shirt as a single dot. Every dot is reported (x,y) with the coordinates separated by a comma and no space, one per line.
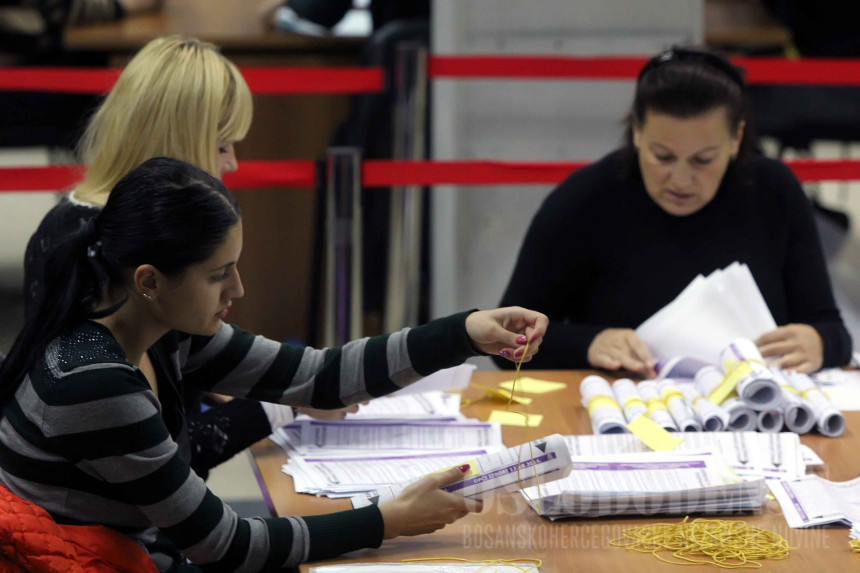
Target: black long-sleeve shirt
(600,253)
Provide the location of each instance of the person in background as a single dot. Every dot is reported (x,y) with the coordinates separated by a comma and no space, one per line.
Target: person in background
(134,306)
(178,97)
(688,193)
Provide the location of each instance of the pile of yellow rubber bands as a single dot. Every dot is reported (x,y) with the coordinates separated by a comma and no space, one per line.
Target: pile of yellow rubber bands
(727,544)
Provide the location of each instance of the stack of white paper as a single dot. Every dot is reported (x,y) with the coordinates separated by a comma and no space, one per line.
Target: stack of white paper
(540,461)
(751,455)
(809,500)
(708,314)
(646,484)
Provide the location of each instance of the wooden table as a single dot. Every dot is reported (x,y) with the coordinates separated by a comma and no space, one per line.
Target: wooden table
(279,224)
(508,528)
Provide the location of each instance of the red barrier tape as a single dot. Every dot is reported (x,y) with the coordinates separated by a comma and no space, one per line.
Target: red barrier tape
(379,173)
(261,80)
(388,173)
(345,80)
(832,72)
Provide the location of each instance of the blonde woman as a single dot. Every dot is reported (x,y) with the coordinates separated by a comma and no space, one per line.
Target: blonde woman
(178,97)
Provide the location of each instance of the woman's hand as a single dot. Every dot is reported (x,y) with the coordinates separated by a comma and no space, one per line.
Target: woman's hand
(423,507)
(504,331)
(799,346)
(616,348)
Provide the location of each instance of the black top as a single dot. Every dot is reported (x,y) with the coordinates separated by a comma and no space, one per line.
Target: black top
(600,253)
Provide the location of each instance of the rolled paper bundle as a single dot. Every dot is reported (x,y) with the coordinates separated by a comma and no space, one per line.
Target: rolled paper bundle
(742,418)
(604,411)
(679,367)
(712,417)
(755,384)
(628,397)
(769,420)
(656,407)
(828,419)
(682,413)
(798,413)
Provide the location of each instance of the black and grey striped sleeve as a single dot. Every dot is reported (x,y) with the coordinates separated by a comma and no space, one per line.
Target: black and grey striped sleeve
(238,363)
(109,420)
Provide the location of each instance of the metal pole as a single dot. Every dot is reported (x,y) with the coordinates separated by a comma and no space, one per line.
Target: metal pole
(343,274)
(403,288)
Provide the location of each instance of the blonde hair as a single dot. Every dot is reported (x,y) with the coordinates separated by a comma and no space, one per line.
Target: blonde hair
(178,97)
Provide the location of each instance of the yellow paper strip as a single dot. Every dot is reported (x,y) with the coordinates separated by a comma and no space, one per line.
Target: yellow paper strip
(507,418)
(729,383)
(533,385)
(655,437)
(502,394)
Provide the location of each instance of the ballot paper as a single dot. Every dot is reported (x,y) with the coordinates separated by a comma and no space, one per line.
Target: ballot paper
(425,405)
(842,386)
(646,483)
(345,476)
(798,412)
(714,418)
(751,455)
(395,435)
(829,420)
(447,379)
(809,500)
(542,460)
(603,409)
(681,411)
(436,566)
(747,374)
(742,418)
(709,313)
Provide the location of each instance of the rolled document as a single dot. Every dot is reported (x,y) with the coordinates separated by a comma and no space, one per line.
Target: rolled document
(604,411)
(742,418)
(682,413)
(742,362)
(679,367)
(543,460)
(628,397)
(769,420)
(714,418)
(798,413)
(656,407)
(828,419)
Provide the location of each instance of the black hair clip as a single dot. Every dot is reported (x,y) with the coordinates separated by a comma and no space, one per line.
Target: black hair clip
(676,54)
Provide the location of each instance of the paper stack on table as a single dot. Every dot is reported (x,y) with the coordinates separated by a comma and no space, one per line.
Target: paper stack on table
(751,455)
(646,484)
(388,440)
(708,314)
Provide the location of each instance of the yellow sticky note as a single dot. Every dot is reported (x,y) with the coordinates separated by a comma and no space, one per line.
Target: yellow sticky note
(533,385)
(653,435)
(502,394)
(507,418)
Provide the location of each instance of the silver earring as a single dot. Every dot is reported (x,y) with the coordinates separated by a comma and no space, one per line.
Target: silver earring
(147,296)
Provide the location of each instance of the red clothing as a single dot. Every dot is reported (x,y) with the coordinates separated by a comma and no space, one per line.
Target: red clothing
(31,541)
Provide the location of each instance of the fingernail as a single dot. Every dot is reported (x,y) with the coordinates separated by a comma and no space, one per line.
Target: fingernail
(505,353)
(518,353)
(464,468)
(522,339)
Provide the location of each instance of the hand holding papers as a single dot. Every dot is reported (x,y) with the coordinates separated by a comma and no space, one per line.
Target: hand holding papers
(707,315)
(542,460)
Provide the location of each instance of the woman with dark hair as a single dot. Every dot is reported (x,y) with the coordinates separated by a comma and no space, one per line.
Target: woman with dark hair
(687,194)
(134,303)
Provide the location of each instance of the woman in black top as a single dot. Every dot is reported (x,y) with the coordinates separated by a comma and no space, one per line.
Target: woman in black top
(687,194)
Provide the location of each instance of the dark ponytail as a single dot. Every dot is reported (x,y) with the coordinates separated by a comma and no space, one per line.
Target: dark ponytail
(165,213)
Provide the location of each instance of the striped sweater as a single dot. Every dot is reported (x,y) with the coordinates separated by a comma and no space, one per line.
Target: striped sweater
(87,439)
